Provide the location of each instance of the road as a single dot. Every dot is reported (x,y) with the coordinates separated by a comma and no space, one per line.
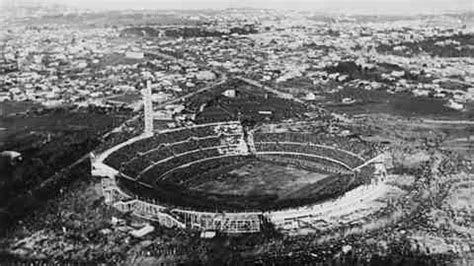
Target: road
(158,54)
(288,96)
(449,122)
(221,81)
(269,89)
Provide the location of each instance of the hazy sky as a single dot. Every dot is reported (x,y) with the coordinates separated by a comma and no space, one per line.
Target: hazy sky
(351,6)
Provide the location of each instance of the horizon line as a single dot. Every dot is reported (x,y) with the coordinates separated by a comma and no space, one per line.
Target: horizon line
(358,7)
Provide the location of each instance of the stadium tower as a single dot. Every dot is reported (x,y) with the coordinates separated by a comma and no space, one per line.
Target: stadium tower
(148,107)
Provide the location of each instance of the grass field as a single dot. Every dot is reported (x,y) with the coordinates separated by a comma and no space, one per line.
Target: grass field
(248,184)
(260,178)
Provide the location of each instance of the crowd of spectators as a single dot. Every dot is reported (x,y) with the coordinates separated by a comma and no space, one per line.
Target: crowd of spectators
(353,145)
(308,148)
(189,134)
(231,128)
(163,167)
(301,161)
(205,169)
(165,152)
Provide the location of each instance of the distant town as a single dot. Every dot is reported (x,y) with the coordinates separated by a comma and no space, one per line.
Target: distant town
(306,55)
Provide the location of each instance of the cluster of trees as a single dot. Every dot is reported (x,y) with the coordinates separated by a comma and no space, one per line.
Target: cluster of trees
(185,32)
(432,47)
(355,71)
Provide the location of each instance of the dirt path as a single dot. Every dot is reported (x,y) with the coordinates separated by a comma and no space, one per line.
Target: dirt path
(450,122)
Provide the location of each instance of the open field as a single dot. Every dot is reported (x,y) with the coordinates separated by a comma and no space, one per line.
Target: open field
(48,142)
(44,127)
(400,104)
(8,108)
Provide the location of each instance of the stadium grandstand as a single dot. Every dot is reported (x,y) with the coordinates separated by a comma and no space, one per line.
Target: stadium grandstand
(150,174)
(203,176)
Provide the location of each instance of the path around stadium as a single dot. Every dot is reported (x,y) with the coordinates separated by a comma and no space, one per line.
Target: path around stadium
(269,89)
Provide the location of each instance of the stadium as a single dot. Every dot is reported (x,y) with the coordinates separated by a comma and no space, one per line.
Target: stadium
(234,178)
